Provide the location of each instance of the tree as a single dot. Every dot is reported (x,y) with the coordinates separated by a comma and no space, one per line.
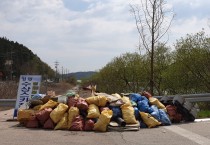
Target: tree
(153,21)
(123,74)
(190,70)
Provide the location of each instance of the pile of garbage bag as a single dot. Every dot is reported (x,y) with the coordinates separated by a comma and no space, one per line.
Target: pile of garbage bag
(99,112)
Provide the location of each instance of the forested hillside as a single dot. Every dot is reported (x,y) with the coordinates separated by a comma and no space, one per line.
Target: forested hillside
(16,60)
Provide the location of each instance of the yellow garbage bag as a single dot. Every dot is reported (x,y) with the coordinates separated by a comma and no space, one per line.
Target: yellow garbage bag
(102,101)
(126,100)
(63,123)
(58,112)
(72,113)
(92,100)
(97,100)
(93,111)
(103,121)
(149,120)
(128,114)
(24,115)
(155,101)
(37,107)
(49,104)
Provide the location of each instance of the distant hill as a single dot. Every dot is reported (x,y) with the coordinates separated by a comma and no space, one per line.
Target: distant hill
(16,59)
(82,75)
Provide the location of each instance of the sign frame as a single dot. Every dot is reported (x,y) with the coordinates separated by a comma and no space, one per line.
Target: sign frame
(29,85)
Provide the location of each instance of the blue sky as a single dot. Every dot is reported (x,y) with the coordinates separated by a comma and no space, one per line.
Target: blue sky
(85,35)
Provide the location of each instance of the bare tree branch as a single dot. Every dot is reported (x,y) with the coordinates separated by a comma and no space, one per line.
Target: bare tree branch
(152,26)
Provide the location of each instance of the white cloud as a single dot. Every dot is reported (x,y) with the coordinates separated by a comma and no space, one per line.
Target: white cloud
(84,39)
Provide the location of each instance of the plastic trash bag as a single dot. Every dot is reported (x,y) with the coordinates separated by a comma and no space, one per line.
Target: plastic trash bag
(146,94)
(24,115)
(116,111)
(82,104)
(43,115)
(134,104)
(155,101)
(174,116)
(72,101)
(58,112)
(35,102)
(103,108)
(97,100)
(77,124)
(72,113)
(128,114)
(149,120)
(102,101)
(33,122)
(126,101)
(63,123)
(36,108)
(136,97)
(93,111)
(155,113)
(136,113)
(113,97)
(49,124)
(49,104)
(164,119)
(143,125)
(103,121)
(89,125)
(143,106)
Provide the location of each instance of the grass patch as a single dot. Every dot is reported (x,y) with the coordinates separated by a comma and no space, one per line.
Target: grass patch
(204,114)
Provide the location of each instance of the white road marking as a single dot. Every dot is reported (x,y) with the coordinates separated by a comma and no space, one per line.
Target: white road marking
(189,135)
(201,120)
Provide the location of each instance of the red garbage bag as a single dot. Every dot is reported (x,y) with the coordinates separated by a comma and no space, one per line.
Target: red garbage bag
(103,108)
(82,104)
(89,125)
(77,124)
(49,124)
(33,122)
(146,94)
(173,114)
(43,115)
(72,101)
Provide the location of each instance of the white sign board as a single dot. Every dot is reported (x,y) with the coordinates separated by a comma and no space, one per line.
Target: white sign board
(29,86)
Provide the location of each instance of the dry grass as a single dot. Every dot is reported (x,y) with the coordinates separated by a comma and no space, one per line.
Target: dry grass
(8,90)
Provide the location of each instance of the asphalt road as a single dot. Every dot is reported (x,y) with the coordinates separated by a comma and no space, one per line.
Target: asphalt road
(196,133)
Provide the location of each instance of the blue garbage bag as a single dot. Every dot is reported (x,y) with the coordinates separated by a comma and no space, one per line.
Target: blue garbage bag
(164,119)
(136,97)
(143,106)
(155,113)
(142,124)
(116,111)
(136,113)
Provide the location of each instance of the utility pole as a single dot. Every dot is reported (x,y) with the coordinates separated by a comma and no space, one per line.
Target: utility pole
(56,70)
(62,74)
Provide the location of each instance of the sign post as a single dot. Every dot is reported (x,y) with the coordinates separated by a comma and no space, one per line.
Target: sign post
(29,86)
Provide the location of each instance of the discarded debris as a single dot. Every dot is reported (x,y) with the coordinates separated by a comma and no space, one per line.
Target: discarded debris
(102,112)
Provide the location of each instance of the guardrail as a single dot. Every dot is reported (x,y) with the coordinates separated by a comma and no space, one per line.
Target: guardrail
(7,102)
(188,97)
